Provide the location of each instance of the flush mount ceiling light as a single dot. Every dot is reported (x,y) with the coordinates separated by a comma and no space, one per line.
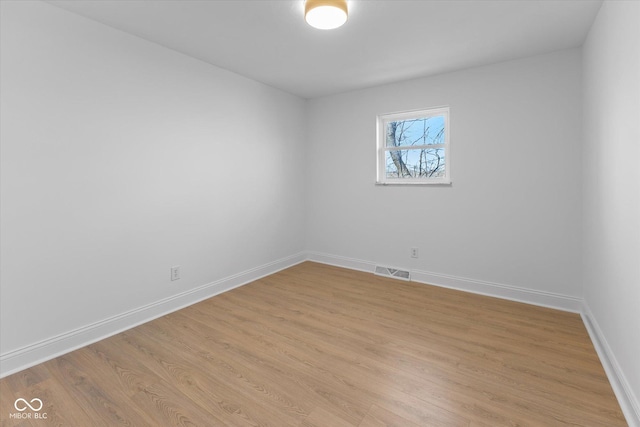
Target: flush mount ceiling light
(325,14)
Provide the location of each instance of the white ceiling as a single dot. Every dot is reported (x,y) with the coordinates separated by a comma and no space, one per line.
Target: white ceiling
(383,41)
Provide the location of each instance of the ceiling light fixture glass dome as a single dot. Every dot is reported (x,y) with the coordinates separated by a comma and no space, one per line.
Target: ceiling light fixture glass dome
(325,14)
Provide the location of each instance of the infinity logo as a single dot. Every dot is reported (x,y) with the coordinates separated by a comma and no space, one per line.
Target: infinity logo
(24,408)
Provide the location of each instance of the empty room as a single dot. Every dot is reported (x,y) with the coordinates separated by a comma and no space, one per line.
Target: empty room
(320,213)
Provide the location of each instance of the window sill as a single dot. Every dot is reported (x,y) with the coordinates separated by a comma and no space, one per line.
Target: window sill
(421,183)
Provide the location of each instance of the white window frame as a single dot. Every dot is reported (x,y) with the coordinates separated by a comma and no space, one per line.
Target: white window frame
(382,121)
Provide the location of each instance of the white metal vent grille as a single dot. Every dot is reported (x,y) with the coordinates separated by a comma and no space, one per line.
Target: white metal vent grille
(392,272)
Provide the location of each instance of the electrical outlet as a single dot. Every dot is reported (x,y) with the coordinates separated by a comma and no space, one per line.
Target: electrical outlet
(175,272)
(414,252)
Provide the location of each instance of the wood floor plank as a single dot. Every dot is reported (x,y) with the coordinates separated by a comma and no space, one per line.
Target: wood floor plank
(320,417)
(262,386)
(28,378)
(105,404)
(250,401)
(315,345)
(380,417)
(316,386)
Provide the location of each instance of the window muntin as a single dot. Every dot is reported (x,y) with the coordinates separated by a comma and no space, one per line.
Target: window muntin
(413,147)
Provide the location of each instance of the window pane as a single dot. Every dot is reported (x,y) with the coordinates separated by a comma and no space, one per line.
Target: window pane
(427,163)
(420,131)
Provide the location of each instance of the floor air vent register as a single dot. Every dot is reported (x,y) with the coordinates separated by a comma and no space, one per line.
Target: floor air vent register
(392,272)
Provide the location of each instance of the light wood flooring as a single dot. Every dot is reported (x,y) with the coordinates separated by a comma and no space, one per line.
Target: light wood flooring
(320,346)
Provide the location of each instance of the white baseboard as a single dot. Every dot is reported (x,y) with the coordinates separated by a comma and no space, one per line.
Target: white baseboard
(340,261)
(513,293)
(498,290)
(23,358)
(628,401)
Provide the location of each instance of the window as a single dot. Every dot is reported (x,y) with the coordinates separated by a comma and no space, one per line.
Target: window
(413,147)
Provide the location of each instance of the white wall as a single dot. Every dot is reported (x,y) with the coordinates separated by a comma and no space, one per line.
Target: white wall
(120,159)
(612,188)
(512,214)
